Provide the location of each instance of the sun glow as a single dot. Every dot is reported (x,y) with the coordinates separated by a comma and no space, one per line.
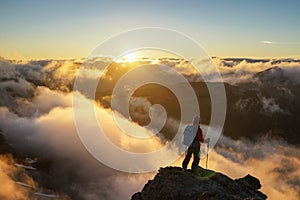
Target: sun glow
(130,57)
(150,55)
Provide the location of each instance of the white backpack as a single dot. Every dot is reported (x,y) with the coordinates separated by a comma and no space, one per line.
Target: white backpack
(189,134)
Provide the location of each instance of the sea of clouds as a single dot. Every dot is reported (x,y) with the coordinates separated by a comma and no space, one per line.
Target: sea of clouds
(36,118)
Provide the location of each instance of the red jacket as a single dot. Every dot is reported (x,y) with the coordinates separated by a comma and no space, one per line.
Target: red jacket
(198,139)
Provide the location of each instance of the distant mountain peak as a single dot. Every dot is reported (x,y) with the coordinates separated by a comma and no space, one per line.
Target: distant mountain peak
(273,74)
(274,69)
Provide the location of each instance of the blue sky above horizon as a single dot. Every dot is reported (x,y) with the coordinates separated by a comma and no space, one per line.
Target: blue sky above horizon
(72,29)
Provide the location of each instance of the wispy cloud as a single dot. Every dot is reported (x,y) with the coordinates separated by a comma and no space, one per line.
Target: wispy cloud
(268,42)
(280,43)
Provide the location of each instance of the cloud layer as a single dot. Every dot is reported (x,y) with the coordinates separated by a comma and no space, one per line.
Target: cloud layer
(36,118)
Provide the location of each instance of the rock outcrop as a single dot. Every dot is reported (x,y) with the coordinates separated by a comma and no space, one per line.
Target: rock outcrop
(172,183)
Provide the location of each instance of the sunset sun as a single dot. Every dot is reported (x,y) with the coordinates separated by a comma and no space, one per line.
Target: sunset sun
(130,57)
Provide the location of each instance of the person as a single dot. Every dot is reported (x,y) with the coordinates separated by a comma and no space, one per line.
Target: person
(194,147)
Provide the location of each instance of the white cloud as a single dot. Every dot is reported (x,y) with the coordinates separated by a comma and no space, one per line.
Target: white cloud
(270,106)
(267,42)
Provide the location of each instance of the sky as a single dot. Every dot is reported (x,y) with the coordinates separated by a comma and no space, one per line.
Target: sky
(72,29)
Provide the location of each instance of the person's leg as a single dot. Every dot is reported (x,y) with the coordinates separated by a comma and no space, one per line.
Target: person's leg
(196,160)
(187,159)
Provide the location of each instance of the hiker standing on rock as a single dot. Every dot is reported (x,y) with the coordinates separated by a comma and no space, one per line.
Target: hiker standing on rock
(193,138)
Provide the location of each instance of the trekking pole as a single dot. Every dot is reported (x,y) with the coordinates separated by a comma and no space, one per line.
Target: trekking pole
(207,154)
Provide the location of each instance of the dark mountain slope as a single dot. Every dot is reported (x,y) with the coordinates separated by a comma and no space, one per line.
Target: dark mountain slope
(173,183)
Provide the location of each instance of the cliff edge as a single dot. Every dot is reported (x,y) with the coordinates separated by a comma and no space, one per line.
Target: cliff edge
(173,183)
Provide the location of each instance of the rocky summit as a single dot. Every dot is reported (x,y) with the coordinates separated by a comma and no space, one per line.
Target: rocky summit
(172,183)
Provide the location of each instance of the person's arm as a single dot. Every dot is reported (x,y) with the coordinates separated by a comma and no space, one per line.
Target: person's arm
(200,135)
